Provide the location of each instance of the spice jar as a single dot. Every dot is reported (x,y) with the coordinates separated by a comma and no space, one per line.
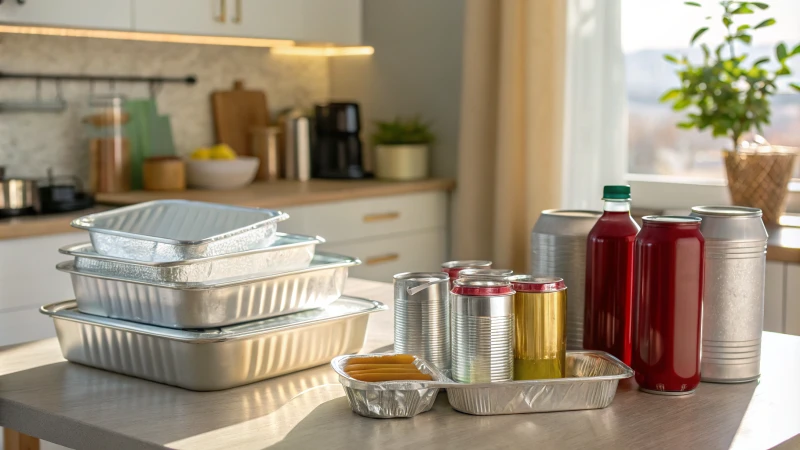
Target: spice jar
(109,147)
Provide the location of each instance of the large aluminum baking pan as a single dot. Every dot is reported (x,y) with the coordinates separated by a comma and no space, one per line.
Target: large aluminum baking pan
(174,230)
(214,359)
(591,383)
(289,252)
(390,399)
(214,304)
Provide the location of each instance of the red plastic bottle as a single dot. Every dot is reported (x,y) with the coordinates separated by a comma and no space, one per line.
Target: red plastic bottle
(609,276)
(668,304)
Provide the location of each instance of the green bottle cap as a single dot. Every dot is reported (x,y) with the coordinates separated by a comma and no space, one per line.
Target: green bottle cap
(616,192)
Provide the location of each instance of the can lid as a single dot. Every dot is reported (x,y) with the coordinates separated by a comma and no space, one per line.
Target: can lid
(467,264)
(486,274)
(530,283)
(573,213)
(672,219)
(420,276)
(481,287)
(617,192)
(727,211)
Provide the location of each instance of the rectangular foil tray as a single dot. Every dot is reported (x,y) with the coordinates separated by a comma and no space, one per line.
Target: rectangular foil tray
(213,304)
(175,230)
(289,252)
(213,359)
(389,399)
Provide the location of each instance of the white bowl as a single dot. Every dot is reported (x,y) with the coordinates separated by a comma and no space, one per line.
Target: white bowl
(221,173)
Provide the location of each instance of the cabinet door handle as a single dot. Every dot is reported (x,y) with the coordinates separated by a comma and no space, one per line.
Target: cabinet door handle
(222,8)
(389,257)
(381,217)
(238,17)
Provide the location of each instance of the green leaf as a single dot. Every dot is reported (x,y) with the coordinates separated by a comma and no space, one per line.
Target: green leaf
(746,38)
(761,61)
(743,9)
(796,50)
(670,95)
(760,5)
(671,59)
(795,86)
(697,34)
(784,70)
(743,27)
(780,52)
(765,23)
(686,125)
(681,104)
(726,21)
(692,4)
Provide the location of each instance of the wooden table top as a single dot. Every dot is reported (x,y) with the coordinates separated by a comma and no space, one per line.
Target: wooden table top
(80,407)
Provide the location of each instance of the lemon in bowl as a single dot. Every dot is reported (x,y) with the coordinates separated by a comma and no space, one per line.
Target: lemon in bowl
(219,167)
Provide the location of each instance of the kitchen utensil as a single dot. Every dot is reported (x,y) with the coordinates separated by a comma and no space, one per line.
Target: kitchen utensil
(540,335)
(221,174)
(297,141)
(668,304)
(389,399)
(264,146)
(164,173)
(17,197)
(558,249)
(422,316)
(733,292)
(289,252)
(337,151)
(401,162)
(211,304)
(482,331)
(62,194)
(173,230)
(236,112)
(215,359)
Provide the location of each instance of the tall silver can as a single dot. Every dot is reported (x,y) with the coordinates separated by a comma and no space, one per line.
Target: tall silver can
(421,316)
(483,331)
(558,249)
(733,296)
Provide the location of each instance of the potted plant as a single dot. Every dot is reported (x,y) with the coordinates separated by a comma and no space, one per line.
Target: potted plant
(729,93)
(401,149)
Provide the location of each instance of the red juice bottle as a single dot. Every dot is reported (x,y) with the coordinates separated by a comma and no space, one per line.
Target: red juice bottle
(609,276)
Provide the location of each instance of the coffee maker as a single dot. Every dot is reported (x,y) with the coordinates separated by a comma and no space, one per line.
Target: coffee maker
(337,148)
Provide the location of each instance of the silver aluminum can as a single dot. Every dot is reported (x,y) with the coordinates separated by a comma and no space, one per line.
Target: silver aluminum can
(421,316)
(486,274)
(558,249)
(733,296)
(483,331)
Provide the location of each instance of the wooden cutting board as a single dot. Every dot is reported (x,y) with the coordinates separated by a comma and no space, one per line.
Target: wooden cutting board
(235,113)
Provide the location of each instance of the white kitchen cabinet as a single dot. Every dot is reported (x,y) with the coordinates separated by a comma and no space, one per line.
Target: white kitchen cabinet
(336,21)
(101,14)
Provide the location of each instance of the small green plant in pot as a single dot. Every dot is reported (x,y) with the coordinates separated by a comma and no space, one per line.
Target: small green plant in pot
(729,94)
(401,149)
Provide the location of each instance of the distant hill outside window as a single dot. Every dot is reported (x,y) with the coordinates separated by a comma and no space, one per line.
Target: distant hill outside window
(651,28)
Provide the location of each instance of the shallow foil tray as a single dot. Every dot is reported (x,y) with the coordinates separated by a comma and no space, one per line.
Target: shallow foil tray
(209,305)
(289,252)
(174,230)
(389,399)
(591,383)
(214,359)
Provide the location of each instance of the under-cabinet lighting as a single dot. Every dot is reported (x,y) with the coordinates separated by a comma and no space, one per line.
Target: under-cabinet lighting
(323,51)
(148,37)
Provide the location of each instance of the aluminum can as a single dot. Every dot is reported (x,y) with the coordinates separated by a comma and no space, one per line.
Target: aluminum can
(453,268)
(558,249)
(733,296)
(486,274)
(422,316)
(668,296)
(483,331)
(540,319)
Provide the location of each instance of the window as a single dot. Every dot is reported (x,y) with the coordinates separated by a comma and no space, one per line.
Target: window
(651,28)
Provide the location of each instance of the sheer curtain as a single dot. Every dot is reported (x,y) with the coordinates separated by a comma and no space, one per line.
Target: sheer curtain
(523,143)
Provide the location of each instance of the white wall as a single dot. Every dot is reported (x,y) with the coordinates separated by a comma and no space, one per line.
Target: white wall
(416,69)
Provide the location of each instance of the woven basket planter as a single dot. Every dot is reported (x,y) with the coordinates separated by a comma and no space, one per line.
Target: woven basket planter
(760,180)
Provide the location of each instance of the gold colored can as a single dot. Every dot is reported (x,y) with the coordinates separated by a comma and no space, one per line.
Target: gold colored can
(540,324)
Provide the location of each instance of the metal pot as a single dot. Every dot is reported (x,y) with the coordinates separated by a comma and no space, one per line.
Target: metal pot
(17,196)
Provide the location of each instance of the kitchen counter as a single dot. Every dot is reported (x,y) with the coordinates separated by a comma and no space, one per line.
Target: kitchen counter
(784,244)
(80,407)
(279,194)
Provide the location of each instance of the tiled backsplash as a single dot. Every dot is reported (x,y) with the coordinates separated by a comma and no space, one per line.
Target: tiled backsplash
(32,142)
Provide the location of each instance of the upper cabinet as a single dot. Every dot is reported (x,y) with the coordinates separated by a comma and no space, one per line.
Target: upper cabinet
(100,14)
(313,21)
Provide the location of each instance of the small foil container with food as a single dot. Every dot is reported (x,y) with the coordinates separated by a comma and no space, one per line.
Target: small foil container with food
(389,399)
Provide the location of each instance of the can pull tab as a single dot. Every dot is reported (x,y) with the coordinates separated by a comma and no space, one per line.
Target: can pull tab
(417,289)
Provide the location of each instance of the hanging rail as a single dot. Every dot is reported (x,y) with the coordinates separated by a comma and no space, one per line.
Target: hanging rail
(190,79)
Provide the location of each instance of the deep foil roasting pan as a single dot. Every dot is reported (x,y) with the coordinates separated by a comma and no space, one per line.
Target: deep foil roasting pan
(289,252)
(213,359)
(175,230)
(212,304)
